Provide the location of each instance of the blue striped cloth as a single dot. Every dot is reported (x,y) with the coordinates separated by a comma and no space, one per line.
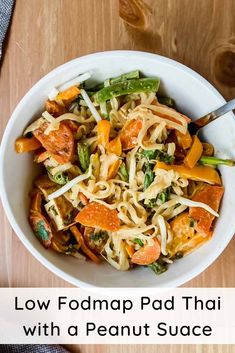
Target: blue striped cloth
(31,348)
(6,7)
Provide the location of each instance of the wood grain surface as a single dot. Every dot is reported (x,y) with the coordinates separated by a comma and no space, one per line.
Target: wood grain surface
(47,33)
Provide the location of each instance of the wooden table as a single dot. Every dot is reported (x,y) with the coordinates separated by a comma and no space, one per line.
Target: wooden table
(47,33)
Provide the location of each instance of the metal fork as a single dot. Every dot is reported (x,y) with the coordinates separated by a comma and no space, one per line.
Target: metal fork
(196,125)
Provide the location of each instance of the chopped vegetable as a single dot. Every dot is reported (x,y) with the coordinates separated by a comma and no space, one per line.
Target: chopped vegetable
(210,195)
(115,146)
(123,172)
(113,169)
(184,140)
(100,216)
(59,178)
(194,153)
(54,108)
(95,240)
(185,236)
(68,95)
(164,196)
(207,160)
(75,81)
(157,154)
(90,105)
(59,143)
(103,131)
(83,198)
(147,254)
(138,241)
(198,173)
(130,250)
(128,76)
(148,178)
(158,267)
(167,101)
(25,144)
(41,157)
(84,248)
(129,134)
(84,156)
(127,87)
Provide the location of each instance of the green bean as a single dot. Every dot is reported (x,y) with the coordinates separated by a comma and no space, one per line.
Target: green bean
(138,241)
(216,161)
(167,101)
(123,172)
(158,267)
(84,156)
(127,87)
(111,81)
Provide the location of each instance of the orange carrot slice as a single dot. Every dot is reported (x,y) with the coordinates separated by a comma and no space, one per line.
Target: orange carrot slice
(81,242)
(97,215)
(83,198)
(60,143)
(147,254)
(129,134)
(210,195)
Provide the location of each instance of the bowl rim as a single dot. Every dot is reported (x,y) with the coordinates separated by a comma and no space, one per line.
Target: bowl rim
(178,281)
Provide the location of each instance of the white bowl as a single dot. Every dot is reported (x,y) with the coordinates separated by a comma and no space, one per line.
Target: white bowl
(194,96)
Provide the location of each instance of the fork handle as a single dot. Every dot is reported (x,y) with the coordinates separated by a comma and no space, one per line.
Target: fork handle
(208,118)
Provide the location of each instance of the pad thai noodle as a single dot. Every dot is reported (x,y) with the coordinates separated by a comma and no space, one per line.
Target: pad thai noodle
(122,179)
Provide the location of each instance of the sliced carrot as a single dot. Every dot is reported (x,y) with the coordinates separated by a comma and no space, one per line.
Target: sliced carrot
(97,215)
(68,95)
(103,131)
(130,250)
(147,254)
(113,169)
(54,108)
(59,143)
(184,140)
(210,195)
(198,173)
(185,236)
(25,144)
(194,153)
(83,198)
(115,146)
(129,134)
(84,248)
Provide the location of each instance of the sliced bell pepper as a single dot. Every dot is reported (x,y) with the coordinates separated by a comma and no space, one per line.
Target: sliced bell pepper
(113,169)
(198,173)
(194,153)
(103,132)
(25,144)
(184,140)
(115,146)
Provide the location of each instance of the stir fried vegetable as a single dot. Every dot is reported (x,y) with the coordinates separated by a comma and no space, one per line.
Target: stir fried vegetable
(122,180)
(127,87)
